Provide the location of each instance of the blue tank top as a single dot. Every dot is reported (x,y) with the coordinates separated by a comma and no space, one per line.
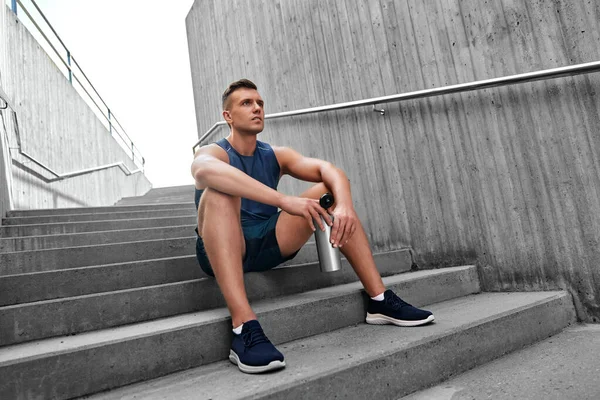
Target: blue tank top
(263,167)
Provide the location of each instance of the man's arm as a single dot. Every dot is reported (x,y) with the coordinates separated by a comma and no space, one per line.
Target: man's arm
(314,170)
(211,169)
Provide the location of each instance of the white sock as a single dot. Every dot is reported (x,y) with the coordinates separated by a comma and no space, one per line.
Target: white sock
(238,330)
(379,297)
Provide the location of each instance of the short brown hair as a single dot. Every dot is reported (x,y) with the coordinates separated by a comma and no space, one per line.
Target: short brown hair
(242,83)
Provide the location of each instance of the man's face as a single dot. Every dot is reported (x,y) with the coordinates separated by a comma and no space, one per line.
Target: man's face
(245,111)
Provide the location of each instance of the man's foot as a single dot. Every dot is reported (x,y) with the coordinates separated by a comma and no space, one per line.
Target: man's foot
(393,310)
(253,352)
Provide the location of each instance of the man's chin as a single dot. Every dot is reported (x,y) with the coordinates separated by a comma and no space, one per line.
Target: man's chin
(252,132)
(256,129)
(253,129)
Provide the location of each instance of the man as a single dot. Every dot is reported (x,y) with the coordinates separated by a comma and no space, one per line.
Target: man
(240,229)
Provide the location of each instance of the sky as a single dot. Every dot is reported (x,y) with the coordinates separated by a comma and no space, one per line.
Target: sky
(135,54)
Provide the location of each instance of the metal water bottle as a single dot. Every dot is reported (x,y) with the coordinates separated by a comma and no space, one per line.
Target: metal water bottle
(329,256)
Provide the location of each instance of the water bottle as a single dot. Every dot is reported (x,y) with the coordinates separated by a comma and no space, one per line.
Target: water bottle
(329,256)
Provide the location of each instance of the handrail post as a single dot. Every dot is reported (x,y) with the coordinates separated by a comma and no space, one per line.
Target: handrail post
(132,153)
(14,6)
(109,122)
(69,62)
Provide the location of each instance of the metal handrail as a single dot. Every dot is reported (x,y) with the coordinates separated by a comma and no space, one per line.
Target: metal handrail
(59,177)
(5,99)
(110,118)
(462,87)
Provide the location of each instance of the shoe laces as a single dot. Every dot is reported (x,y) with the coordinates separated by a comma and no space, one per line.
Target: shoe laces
(396,302)
(254,337)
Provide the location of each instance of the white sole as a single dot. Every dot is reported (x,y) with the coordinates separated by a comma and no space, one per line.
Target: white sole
(249,369)
(380,319)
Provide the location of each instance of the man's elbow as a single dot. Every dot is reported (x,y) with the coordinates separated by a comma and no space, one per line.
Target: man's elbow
(200,170)
(329,167)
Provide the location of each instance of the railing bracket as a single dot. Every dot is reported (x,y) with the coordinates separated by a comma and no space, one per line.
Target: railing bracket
(380,111)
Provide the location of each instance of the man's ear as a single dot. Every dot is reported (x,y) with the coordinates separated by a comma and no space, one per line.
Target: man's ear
(227,116)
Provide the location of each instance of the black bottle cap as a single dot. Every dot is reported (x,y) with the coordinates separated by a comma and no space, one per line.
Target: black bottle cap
(326,200)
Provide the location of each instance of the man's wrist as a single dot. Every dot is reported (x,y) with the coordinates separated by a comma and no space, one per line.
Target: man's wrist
(342,201)
(280,199)
(345,204)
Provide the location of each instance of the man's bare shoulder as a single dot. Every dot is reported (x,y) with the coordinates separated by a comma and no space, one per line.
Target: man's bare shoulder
(205,154)
(282,151)
(213,150)
(284,155)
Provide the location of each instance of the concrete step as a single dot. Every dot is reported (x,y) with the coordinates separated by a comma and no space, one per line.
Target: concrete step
(22,262)
(380,362)
(37,320)
(71,366)
(156,200)
(564,366)
(92,238)
(37,286)
(106,216)
(88,210)
(93,226)
(48,285)
(168,191)
(162,195)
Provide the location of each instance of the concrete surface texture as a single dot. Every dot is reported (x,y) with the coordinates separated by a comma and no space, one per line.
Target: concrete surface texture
(5,170)
(67,366)
(103,237)
(173,194)
(26,320)
(5,161)
(505,177)
(563,367)
(93,226)
(79,317)
(364,362)
(74,257)
(186,204)
(3,46)
(97,216)
(58,128)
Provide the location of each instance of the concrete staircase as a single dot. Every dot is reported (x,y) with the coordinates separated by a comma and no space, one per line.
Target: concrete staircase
(95,299)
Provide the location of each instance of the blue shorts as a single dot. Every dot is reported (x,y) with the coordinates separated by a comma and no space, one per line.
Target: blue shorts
(262,249)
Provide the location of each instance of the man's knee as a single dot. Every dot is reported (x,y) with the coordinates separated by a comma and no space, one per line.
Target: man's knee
(215,203)
(214,198)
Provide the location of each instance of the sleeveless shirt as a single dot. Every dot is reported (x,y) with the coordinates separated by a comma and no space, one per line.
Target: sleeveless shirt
(262,166)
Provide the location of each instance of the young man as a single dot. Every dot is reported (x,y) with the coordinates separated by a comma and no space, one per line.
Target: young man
(240,229)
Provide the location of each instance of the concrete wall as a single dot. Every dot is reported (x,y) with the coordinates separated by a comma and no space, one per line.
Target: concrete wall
(59,129)
(3,44)
(508,178)
(5,175)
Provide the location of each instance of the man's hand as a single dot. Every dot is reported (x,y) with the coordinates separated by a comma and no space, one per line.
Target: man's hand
(307,208)
(345,221)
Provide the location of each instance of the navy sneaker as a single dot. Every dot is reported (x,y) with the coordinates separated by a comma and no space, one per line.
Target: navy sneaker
(253,352)
(394,310)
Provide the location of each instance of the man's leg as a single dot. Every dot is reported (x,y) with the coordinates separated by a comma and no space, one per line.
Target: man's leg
(293,232)
(386,308)
(220,228)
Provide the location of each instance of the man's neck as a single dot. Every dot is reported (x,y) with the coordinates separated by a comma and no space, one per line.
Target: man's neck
(243,144)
